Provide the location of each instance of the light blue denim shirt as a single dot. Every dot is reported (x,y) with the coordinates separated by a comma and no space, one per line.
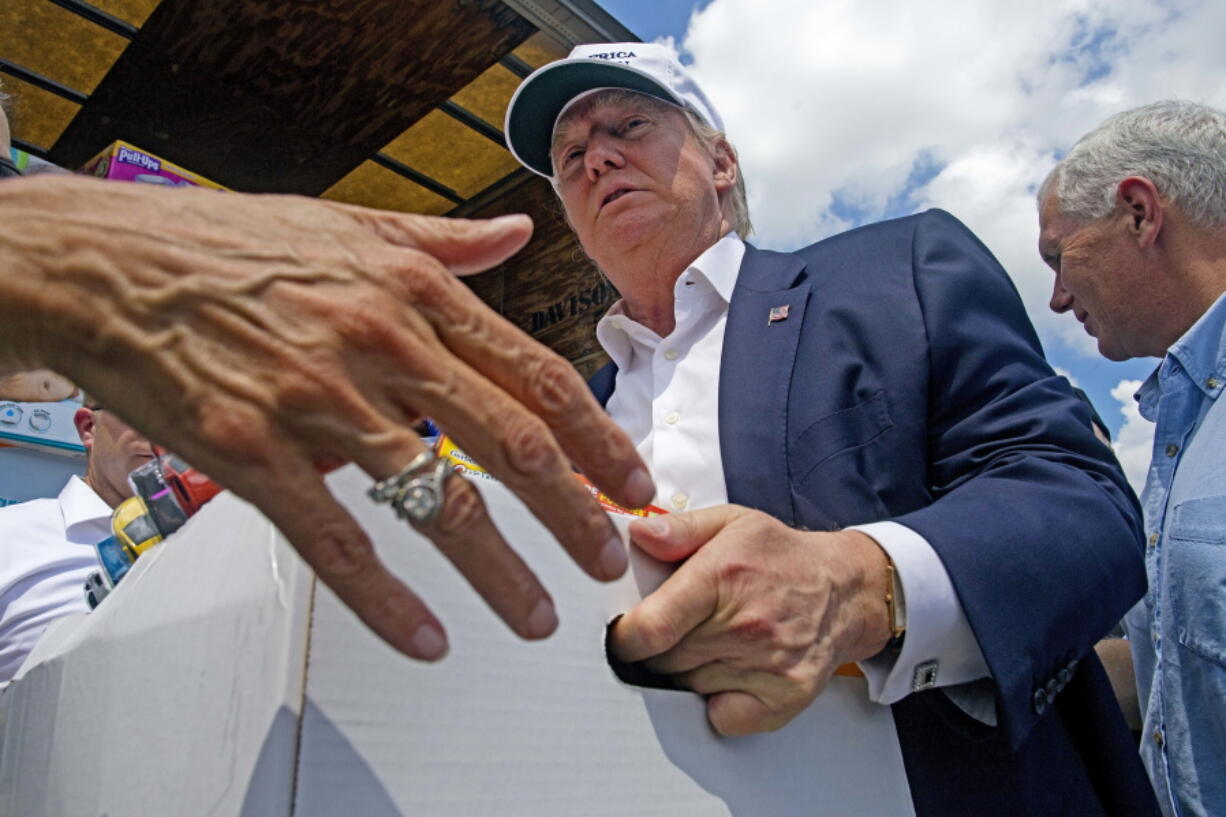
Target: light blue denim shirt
(1178,630)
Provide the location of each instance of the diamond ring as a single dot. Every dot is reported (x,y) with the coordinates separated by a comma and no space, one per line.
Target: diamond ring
(416,493)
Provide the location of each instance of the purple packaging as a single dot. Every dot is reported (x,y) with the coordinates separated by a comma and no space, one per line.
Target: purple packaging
(128,163)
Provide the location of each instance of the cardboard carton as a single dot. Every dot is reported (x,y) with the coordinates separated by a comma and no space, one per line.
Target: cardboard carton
(220,678)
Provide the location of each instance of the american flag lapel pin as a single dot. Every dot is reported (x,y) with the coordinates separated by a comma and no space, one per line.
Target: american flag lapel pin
(777,313)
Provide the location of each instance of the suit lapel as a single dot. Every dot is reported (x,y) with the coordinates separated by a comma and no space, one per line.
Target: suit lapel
(755,379)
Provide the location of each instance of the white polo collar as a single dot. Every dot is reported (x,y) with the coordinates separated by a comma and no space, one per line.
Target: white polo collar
(81,506)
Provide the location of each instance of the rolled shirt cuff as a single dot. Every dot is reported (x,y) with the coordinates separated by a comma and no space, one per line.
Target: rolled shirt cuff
(939,648)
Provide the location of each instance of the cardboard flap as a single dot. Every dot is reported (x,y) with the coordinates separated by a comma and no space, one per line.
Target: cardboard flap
(180,694)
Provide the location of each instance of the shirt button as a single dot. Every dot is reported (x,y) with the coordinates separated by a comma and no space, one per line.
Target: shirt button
(672,417)
(680,501)
(1212,383)
(1153,540)
(1172,449)
(1154,637)
(1158,737)
(670,354)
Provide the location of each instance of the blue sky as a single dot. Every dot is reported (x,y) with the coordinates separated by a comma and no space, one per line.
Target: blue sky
(846,112)
(653,20)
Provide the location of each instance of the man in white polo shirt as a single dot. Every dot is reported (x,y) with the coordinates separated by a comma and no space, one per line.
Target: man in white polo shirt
(47,545)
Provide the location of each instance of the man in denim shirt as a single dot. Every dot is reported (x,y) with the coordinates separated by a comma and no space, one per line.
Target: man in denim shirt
(1133,221)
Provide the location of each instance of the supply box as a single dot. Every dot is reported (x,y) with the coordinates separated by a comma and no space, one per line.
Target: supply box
(221,678)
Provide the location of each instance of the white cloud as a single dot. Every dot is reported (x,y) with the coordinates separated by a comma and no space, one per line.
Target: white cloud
(1135,441)
(1065,373)
(844,104)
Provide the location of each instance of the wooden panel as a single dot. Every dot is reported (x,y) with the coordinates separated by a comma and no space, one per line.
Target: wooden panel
(38,117)
(541,48)
(130,11)
(287,96)
(550,290)
(372,185)
(489,94)
(452,153)
(54,42)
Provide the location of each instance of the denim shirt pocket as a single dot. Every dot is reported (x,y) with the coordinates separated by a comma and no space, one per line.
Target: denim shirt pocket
(1196,576)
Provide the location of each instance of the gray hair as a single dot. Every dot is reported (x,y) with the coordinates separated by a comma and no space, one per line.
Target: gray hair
(708,137)
(1179,146)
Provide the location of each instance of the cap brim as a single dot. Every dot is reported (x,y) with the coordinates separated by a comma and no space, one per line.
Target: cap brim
(537,102)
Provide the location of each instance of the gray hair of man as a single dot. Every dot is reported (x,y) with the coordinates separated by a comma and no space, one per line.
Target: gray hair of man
(1179,146)
(707,136)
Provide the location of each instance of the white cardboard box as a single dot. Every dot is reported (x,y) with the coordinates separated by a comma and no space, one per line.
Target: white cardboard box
(221,679)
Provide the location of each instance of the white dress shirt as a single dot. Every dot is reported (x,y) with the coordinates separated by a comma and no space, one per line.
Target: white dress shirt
(666,397)
(46,551)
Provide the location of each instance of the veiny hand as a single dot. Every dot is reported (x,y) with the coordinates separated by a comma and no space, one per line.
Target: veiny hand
(268,338)
(759,615)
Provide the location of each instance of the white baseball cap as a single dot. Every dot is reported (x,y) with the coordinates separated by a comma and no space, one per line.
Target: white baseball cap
(647,68)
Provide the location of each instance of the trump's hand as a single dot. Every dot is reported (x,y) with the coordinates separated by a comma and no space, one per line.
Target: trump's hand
(759,615)
(268,338)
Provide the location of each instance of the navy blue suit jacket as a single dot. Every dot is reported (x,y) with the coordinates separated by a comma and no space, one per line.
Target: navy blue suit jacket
(907,384)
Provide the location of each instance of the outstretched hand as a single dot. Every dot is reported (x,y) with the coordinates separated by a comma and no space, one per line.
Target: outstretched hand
(269,338)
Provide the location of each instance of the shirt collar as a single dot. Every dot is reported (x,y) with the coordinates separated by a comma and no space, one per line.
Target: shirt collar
(81,506)
(1202,349)
(1199,355)
(611,335)
(719,265)
(1148,395)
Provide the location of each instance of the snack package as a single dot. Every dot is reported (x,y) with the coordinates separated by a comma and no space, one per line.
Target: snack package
(467,466)
(461,463)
